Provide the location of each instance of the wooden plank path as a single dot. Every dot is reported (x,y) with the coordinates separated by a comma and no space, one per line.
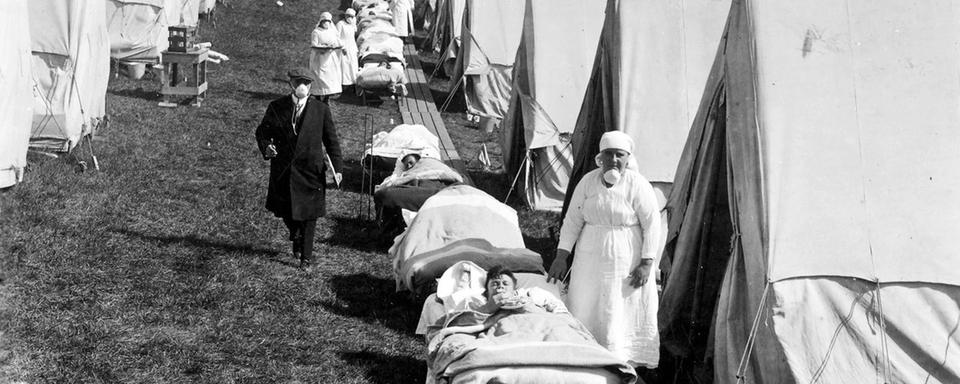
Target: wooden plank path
(418,107)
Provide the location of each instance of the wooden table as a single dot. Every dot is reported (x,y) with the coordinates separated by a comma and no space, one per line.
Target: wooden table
(184,74)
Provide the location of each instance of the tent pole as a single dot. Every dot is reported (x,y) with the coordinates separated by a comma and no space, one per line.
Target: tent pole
(526,160)
(370,202)
(453,91)
(439,63)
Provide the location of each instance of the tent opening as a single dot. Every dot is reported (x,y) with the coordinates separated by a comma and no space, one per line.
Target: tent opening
(695,259)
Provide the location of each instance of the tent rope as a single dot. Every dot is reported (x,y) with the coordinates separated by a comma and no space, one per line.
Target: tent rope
(543,173)
(751,340)
(883,335)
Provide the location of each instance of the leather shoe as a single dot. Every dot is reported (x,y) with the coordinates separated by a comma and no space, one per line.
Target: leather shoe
(307,266)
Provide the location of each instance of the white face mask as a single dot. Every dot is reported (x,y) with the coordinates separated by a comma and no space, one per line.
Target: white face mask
(302,90)
(611,176)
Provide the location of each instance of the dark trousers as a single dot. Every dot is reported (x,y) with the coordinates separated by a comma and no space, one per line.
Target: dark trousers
(302,234)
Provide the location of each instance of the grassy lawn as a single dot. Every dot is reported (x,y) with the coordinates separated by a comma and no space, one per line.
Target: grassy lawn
(165,267)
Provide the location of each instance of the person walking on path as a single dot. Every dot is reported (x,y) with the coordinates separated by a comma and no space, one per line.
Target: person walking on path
(298,136)
(614,221)
(349,63)
(325,55)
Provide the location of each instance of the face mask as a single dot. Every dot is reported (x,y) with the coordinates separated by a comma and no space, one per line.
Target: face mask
(302,90)
(611,176)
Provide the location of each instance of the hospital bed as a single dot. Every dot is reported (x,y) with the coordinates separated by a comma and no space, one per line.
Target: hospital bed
(407,190)
(519,345)
(381,58)
(384,149)
(458,223)
(462,225)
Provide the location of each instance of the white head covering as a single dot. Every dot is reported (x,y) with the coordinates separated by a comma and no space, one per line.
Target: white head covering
(325,16)
(616,140)
(350,12)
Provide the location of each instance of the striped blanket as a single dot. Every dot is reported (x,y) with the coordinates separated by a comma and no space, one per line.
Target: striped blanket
(456,213)
(419,272)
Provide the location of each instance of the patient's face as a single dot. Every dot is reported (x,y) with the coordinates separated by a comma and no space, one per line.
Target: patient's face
(500,285)
(408,162)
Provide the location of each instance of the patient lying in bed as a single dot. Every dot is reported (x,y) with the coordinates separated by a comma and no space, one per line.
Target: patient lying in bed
(505,326)
(415,179)
(501,294)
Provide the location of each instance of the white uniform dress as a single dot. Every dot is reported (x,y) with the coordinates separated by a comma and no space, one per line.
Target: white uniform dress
(325,61)
(613,228)
(349,62)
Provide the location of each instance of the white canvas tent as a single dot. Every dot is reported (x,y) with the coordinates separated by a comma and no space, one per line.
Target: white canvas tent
(16,99)
(445,30)
(138,28)
(489,39)
(650,69)
(550,75)
(71,66)
(825,151)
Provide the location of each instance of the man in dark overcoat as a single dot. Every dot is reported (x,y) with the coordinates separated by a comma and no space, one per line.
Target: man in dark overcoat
(298,136)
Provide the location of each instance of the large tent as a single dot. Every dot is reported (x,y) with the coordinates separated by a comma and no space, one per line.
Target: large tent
(16,99)
(650,69)
(444,34)
(489,38)
(71,66)
(818,193)
(138,28)
(550,75)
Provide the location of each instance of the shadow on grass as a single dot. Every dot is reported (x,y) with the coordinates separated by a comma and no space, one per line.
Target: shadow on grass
(199,242)
(386,369)
(359,234)
(373,299)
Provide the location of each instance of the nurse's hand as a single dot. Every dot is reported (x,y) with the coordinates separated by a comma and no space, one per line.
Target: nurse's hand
(559,268)
(641,273)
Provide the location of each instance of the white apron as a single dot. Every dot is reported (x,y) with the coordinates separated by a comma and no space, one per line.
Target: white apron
(324,62)
(349,62)
(608,248)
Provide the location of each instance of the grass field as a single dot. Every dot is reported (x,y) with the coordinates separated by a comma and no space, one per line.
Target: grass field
(165,267)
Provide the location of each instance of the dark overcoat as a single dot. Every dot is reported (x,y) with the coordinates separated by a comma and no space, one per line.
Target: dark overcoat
(297,187)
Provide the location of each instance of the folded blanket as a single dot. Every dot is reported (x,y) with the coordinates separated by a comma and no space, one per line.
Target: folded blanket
(376,77)
(456,213)
(520,338)
(425,169)
(418,272)
(404,138)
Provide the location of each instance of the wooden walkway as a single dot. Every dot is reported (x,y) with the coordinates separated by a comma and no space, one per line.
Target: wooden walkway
(418,107)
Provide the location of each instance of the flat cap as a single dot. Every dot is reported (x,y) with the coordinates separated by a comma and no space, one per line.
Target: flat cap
(300,73)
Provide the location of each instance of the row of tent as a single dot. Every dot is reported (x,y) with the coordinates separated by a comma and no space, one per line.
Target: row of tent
(56,66)
(807,153)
